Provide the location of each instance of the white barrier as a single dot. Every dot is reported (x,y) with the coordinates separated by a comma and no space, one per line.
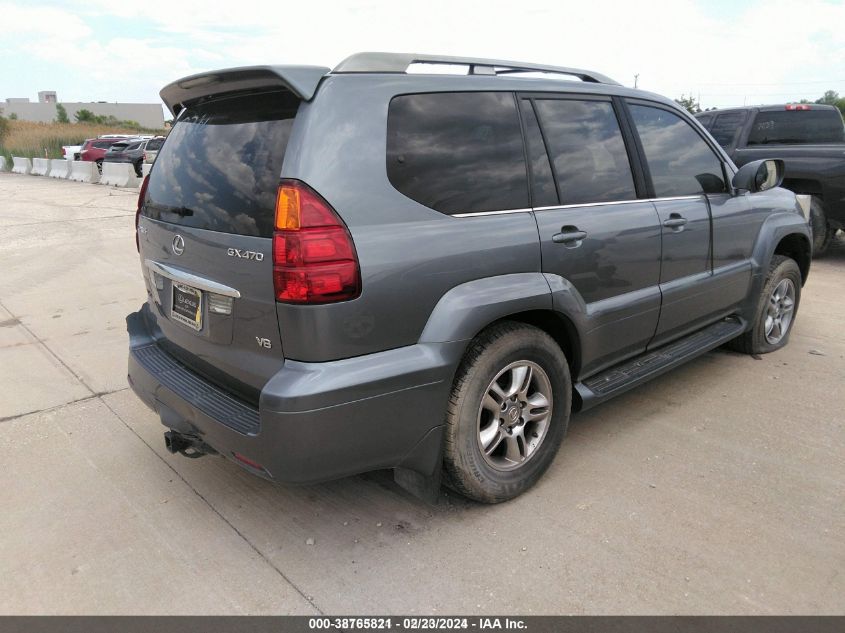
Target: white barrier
(59,168)
(84,171)
(21,165)
(145,169)
(2,163)
(40,166)
(119,175)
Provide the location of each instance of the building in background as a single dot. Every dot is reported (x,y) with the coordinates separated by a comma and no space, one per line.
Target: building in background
(149,115)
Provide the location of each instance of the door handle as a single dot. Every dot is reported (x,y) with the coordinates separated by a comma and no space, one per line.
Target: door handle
(675,221)
(569,235)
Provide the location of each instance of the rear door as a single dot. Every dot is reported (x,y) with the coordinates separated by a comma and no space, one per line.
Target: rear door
(594,231)
(206,236)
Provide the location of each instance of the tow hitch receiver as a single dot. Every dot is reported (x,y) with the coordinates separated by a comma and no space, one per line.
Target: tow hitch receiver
(187,445)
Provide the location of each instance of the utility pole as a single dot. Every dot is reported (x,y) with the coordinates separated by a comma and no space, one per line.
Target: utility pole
(636,78)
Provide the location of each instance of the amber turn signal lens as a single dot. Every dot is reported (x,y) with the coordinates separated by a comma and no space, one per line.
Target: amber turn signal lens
(287,208)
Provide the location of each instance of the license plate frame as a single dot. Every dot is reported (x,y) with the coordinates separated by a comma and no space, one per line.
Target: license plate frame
(186,306)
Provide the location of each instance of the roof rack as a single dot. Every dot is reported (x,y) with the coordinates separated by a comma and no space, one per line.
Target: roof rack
(399,62)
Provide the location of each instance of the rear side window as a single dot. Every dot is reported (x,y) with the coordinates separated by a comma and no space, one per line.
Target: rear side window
(154,144)
(543,189)
(101,144)
(726,128)
(457,152)
(220,167)
(680,161)
(588,153)
(796,127)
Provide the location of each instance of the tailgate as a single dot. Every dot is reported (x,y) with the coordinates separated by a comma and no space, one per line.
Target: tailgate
(205,234)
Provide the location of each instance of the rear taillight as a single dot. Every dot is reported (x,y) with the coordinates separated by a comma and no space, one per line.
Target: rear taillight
(797,106)
(314,259)
(141,195)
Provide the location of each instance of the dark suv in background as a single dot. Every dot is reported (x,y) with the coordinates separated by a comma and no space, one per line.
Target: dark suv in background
(367,268)
(809,138)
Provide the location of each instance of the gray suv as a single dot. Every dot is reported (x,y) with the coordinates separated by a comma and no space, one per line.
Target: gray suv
(371,267)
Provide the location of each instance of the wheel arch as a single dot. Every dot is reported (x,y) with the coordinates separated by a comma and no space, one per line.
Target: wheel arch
(796,246)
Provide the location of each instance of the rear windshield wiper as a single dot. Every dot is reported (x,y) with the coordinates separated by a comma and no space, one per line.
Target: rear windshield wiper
(164,208)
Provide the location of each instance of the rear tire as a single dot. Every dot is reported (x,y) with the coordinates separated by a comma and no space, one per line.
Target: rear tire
(100,166)
(138,170)
(507,413)
(776,309)
(822,231)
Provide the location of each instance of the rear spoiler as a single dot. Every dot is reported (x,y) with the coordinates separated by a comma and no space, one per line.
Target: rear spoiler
(300,80)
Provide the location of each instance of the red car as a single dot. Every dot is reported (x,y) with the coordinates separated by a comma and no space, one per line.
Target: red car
(94,149)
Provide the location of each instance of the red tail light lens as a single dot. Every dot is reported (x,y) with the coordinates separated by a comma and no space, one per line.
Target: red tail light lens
(797,106)
(314,259)
(141,195)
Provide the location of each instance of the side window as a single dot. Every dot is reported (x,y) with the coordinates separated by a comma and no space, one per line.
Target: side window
(587,150)
(543,190)
(680,161)
(726,128)
(154,144)
(705,120)
(458,152)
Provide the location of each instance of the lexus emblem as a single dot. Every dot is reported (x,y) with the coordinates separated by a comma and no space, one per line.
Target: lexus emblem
(178,245)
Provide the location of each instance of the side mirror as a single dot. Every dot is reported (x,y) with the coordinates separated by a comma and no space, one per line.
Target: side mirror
(759,175)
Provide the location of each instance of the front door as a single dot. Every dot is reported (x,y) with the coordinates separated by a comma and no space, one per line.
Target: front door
(682,169)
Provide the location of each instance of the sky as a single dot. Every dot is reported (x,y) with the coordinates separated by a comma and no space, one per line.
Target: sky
(721,52)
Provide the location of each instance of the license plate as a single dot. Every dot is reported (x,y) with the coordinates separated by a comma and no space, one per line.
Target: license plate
(187,306)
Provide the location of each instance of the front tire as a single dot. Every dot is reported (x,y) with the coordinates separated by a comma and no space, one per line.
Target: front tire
(776,309)
(507,414)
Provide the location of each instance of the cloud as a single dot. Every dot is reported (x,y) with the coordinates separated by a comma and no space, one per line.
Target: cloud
(760,51)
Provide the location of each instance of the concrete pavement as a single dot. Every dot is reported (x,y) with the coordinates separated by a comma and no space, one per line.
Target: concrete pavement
(715,489)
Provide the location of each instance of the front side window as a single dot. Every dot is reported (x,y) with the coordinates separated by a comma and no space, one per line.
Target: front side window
(680,161)
(457,152)
(587,150)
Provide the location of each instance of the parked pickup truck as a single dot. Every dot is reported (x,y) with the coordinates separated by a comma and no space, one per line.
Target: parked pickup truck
(810,138)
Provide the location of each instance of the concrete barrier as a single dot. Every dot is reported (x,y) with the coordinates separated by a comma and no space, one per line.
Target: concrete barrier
(59,168)
(145,169)
(84,171)
(40,166)
(119,175)
(2,163)
(21,165)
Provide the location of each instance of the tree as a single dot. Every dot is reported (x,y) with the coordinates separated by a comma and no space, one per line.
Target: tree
(692,106)
(85,116)
(831,97)
(61,114)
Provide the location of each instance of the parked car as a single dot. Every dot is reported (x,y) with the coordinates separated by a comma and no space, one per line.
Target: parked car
(809,138)
(449,266)
(95,149)
(136,151)
(70,152)
(152,147)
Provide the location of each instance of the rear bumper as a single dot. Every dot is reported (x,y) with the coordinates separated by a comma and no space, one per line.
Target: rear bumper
(315,421)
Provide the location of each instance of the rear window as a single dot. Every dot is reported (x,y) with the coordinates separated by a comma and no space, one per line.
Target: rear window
(220,167)
(797,126)
(457,152)
(154,144)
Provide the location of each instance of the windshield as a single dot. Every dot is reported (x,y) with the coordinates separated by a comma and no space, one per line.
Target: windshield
(797,126)
(220,166)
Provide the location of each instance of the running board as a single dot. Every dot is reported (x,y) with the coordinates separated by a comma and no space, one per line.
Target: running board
(619,379)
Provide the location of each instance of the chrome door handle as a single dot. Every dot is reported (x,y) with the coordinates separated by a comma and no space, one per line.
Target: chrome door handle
(675,221)
(568,235)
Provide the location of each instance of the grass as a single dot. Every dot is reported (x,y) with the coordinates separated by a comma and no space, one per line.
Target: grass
(44,140)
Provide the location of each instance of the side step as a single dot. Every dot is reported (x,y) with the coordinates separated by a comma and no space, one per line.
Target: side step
(621,378)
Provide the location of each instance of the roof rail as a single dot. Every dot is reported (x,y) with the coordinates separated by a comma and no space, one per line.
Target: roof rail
(399,62)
